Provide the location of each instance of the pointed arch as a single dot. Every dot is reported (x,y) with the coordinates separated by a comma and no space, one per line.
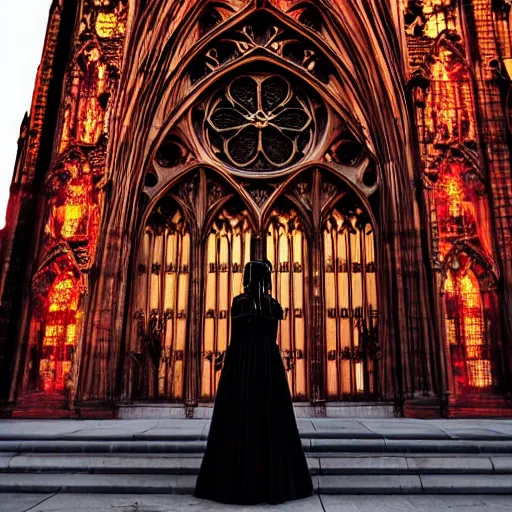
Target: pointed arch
(346,103)
(54,325)
(461,208)
(85,106)
(157,97)
(287,244)
(334,181)
(196,177)
(473,334)
(340,246)
(159,311)
(350,269)
(195,238)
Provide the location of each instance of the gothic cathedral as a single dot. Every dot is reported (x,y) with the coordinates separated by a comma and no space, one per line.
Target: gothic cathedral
(363,147)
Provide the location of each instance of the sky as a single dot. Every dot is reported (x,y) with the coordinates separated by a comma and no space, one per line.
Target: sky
(22,31)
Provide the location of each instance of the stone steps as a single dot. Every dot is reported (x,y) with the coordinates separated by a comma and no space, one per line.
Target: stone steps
(330,464)
(101,484)
(310,445)
(345,457)
(332,473)
(323,484)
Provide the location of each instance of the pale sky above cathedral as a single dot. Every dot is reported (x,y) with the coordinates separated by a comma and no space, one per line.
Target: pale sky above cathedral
(22,31)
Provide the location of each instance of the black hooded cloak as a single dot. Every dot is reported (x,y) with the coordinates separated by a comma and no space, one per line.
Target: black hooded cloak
(254,453)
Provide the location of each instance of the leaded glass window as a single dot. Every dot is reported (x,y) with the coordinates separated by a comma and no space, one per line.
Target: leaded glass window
(260,122)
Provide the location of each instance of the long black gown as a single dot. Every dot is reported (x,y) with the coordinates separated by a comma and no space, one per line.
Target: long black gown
(254,453)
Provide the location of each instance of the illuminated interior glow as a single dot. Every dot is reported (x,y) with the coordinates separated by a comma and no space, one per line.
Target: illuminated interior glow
(193,246)
(84,115)
(467,340)
(287,251)
(60,337)
(162,297)
(111,24)
(228,249)
(351,303)
(73,216)
(460,213)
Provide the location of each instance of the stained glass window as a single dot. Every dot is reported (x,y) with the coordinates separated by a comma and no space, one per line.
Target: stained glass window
(84,113)
(288,252)
(456,192)
(228,249)
(466,333)
(161,295)
(60,336)
(260,122)
(350,302)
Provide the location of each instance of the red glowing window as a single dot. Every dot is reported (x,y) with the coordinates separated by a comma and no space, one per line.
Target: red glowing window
(59,335)
(466,333)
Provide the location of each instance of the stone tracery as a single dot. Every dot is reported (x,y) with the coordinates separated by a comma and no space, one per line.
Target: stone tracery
(261,121)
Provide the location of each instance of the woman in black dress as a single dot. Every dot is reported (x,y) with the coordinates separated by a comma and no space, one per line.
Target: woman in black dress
(254,453)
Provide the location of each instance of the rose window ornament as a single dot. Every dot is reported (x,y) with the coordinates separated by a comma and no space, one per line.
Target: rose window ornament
(260,123)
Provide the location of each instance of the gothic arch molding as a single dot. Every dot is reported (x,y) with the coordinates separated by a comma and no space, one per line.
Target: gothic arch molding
(474,345)
(143,121)
(180,176)
(185,106)
(326,170)
(347,77)
(160,269)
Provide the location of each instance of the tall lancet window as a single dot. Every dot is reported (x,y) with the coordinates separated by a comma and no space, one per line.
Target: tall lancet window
(287,251)
(162,292)
(350,302)
(60,334)
(470,351)
(228,249)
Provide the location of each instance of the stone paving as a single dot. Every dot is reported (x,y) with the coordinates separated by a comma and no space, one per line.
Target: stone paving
(172,503)
(412,429)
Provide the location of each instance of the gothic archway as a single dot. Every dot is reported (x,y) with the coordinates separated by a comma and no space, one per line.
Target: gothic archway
(51,360)
(324,292)
(161,293)
(286,243)
(351,300)
(341,127)
(195,240)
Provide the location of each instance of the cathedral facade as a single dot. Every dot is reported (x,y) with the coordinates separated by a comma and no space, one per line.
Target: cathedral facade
(361,146)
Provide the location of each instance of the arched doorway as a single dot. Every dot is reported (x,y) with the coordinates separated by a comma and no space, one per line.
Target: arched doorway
(321,240)
(466,334)
(224,235)
(291,162)
(192,250)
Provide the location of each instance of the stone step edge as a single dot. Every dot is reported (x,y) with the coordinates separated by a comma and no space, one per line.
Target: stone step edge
(373,465)
(311,445)
(342,436)
(159,484)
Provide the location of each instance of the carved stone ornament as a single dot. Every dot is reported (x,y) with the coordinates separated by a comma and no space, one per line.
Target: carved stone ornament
(260,195)
(215,192)
(262,34)
(259,123)
(328,191)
